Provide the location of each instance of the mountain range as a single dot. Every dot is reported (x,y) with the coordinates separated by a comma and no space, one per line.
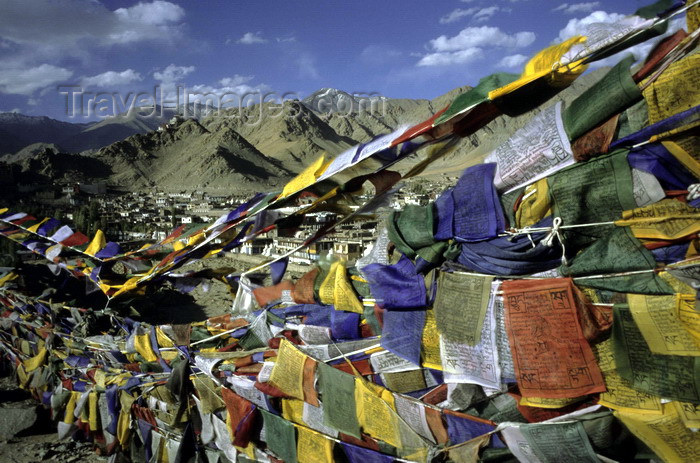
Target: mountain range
(243,149)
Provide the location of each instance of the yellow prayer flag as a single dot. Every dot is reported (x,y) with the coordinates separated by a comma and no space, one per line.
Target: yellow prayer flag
(142,344)
(336,289)
(692,18)
(689,413)
(9,277)
(124,427)
(545,63)
(675,90)
(430,347)
(293,410)
(98,242)
(163,339)
(689,317)
(288,373)
(326,291)
(313,447)
(667,219)
(688,161)
(619,394)
(306,178)
(666,434)
(535,205)
(35,228)
(35,362)
(69,415)
(343,292)
(658,320)
(93,414)
(376,412)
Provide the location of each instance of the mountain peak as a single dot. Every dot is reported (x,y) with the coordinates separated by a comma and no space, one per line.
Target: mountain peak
(332,100)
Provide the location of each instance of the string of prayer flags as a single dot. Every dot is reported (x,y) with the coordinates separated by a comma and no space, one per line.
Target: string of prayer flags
(475,96)
(512,255)
(543,76)
(552,358)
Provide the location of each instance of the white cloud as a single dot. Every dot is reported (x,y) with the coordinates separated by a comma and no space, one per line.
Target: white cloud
(111,79)
(250,38)
(470,44)
(306,66)
(156,13)
(457,14)
(286,39)
(449,58)
(70,25)
(235,80)
(377,54)
(579,26)
(482,36)
(512,61)
(173,74)
(573,8)
(484,14)
(28,80)
(476,14)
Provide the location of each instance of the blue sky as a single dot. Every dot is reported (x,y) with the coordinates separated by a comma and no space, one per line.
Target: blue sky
(400,49)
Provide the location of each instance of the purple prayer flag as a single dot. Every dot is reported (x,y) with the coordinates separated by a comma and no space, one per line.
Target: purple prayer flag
(444,213)
(658,161)
(345,325)
(512,255)
(47,227)
(670,254)
(110,250)
(402,333)
(478,214)
(145,429)
(461,429)
(277,270)
(396,287)
(112,408)
(358,454)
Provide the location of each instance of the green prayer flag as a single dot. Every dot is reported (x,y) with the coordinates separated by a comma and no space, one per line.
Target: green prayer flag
(280,437)
(412,228)
(338,395)
(610,95)
(617,252)
(591,192)
(670,376)
(632,120)
(557,442)
(642,283)
(476,95)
